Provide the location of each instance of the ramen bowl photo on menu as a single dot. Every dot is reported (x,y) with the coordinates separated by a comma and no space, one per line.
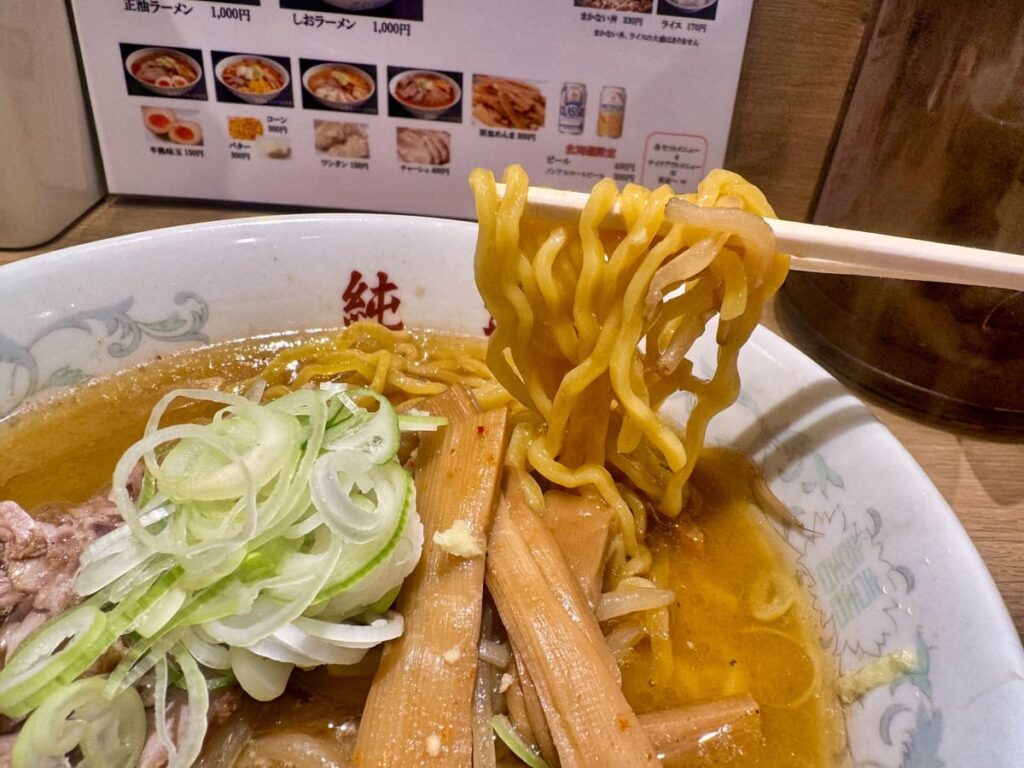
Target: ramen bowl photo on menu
(339,86)
(254,79)
(358,5)
(424,93)
(164,71)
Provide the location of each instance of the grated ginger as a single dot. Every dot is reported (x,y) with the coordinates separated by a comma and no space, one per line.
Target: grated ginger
(459,541)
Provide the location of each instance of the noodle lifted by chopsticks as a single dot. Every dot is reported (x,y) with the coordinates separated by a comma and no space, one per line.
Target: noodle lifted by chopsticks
(586,339)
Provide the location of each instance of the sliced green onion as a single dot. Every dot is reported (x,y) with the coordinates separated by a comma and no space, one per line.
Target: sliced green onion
(118,733)
(273,649)
(262,678)
(380,629)
(268,613)
(117,623)
(507,733)
(37,662)
(99,573)
(375,435)
(212,683)
(420,421)
(320,650)
(173,540)
(350,585)
(156,616)
(210,655)
(254,536)
(163,733)
(191,743)
(121,538)
(382,605)
(261,441)
(143,656)
(138,578)
(108,732)
(358,501)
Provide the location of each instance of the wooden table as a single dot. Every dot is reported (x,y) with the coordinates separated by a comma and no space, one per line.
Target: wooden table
(981,477)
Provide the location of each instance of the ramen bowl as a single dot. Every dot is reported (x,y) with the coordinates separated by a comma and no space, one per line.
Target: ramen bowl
(341,106)
(888,566)
(358,5)
(249,96)
(163,90)
(418,110)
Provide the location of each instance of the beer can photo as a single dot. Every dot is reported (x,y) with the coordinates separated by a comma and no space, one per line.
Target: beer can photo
(611,112)
(572,108)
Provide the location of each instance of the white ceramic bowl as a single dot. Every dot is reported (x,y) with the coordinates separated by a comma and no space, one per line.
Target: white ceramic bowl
(358,5)
(253,98)
(889,567)
(427,113)
(348,105)
(163,90)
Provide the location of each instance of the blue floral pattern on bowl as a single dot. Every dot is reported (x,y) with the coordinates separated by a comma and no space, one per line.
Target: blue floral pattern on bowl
(24,371)
(858,594)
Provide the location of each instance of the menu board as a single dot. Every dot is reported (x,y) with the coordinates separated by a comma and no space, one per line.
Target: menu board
(387,105)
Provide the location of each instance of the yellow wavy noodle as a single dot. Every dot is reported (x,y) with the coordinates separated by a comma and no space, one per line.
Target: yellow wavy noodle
(586,342)
(403,365)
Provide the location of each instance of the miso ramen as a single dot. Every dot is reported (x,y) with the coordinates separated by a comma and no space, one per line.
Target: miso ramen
(377,547)
(712,559)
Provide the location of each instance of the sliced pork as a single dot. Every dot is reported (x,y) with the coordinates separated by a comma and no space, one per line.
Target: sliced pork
(39,559)
(426,147)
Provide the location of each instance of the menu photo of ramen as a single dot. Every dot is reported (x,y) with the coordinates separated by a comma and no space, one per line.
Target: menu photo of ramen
(407,10)
(339,86)
(425,94)
(252,78)
(155,70)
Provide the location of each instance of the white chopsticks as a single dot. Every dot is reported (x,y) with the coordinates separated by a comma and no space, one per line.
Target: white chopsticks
(830,250)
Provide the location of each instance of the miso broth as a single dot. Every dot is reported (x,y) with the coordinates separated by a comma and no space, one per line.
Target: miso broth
(742,621)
